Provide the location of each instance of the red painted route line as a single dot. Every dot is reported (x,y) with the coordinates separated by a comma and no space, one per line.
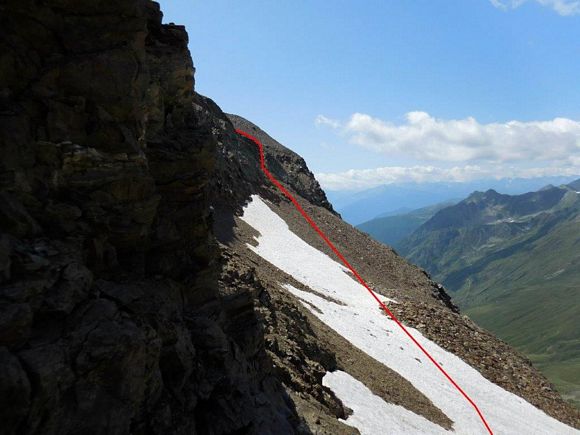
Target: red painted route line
(355,273)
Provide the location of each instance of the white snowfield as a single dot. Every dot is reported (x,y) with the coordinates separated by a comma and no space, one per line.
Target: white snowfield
(362,322)
(371,414)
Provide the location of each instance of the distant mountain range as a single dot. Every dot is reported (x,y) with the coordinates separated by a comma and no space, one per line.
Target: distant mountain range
(363,206)
(513,265)
(391,228)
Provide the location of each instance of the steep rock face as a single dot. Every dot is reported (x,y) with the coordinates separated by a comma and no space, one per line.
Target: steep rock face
(111,318)
(287,166)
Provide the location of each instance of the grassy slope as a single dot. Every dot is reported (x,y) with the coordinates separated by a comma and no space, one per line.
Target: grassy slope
(531,299)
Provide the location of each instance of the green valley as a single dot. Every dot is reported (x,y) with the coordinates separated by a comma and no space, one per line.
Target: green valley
(513,265)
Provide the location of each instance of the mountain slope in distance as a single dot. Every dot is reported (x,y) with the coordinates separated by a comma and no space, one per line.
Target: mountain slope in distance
(393,228)
(513,263)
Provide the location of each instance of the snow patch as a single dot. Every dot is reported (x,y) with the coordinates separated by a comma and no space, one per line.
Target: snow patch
(361,322)
(555,274)
(290,253)
(371,414)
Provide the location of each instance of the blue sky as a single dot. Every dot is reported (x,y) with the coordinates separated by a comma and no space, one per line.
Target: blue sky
(376,91)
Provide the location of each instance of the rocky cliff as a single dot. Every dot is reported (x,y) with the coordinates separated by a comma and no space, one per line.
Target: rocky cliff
(111,317)
(287,166)
(130,300)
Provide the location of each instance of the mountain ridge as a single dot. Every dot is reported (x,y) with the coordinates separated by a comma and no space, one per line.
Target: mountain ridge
(490,250)
(363,206)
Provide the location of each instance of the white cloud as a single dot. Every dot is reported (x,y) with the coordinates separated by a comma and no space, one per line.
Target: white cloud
(507,4)
(425,138)
(456,150)
(562,7)
(323,120)
(360,179)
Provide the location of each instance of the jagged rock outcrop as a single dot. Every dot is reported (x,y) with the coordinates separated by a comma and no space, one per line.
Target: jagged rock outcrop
(287,166)
(111,318)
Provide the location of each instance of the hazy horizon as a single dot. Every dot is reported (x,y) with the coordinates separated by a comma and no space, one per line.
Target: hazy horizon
(360,206)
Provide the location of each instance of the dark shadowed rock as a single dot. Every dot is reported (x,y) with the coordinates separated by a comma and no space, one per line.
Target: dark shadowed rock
(111,319)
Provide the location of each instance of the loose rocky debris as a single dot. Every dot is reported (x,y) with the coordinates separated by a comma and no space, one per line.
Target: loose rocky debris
(493,358)
(390,275)
(298,359)
(287,166)
(303,349)
(379,265)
